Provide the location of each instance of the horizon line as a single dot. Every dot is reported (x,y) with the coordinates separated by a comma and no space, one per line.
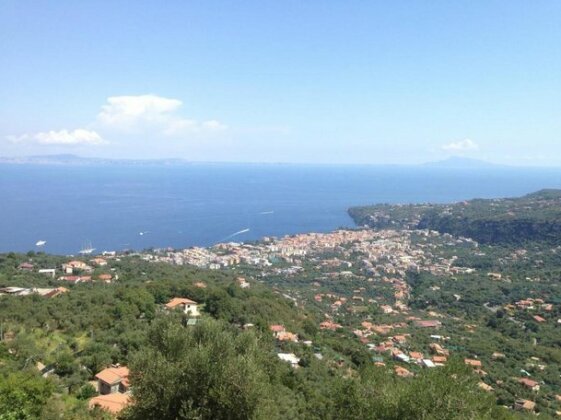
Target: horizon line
(485,164)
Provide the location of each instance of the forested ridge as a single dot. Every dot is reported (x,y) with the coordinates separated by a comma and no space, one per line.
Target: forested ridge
(534,217)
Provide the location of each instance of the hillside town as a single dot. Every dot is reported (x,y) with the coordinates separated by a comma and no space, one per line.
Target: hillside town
(360,280)
(368,287)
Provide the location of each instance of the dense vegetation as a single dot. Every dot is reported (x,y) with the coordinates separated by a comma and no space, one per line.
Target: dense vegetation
(534,217)
(213,371)
(216,369)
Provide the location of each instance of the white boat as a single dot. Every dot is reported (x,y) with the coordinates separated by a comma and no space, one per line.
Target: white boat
(40,243)
(87,249)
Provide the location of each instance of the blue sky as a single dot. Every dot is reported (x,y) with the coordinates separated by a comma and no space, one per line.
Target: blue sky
(283,81)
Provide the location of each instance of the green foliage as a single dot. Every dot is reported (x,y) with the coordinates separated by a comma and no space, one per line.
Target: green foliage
(534,217)
(209,372)
(215,369)
(214,372)
(23,395)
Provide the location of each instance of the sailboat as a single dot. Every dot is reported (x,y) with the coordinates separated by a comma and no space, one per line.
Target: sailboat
(87,249)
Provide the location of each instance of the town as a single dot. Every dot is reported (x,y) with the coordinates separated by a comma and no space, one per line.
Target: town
(398,295)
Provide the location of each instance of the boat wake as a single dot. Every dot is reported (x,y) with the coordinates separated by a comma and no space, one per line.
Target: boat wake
(236,234)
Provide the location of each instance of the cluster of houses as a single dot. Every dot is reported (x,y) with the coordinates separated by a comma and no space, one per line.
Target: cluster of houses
(281,334)
(374,245)
(75,271)
(113,384)
(532,305)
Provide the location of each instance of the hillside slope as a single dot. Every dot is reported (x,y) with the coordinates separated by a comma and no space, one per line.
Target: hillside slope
(534,217)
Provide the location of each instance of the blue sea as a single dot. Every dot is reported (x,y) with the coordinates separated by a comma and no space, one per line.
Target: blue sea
(138,207)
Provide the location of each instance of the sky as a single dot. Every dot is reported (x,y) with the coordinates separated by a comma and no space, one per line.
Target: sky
(366,82)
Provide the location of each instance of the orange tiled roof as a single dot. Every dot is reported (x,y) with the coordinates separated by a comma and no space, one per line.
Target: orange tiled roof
(528,382)
(113,375)
(113,403)
(179,301)
(472,362)
(277,328)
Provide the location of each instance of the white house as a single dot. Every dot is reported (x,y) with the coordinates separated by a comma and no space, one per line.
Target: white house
(290,358)
(188,306)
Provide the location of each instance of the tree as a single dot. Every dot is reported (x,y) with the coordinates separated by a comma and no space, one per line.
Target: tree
(205,372)
(23,395)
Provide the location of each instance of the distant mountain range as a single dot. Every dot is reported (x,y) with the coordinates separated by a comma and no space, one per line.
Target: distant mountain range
(454,162)
(69,159)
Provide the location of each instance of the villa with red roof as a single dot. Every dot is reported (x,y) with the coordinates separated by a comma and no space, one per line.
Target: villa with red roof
(186,305)
(112,380)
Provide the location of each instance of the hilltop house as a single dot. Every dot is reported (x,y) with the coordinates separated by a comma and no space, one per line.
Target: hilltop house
(70,266)
(186,305)
(530,384)
(524,405)
(25,266)
(290,358)
(105,277)
(277,328)
(241,282)
(100,262)
(427,324)
(402,372)
(473,363)
(113,380)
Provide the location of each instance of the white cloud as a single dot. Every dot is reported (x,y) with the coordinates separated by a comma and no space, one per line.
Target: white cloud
(465,145)
(62,137)
(126,112)
(151,113)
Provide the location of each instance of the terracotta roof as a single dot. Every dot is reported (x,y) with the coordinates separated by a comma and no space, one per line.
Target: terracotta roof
(56,292)
(25,265)
(70,278)
(528,382)
(113,403)
(287,336)
(525,405)
(179,301)
(76,263)
(113,375)
(472,362)
(400,371)
(277,328)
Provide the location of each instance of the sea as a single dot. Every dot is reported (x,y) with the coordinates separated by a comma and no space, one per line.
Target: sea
(136,207)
